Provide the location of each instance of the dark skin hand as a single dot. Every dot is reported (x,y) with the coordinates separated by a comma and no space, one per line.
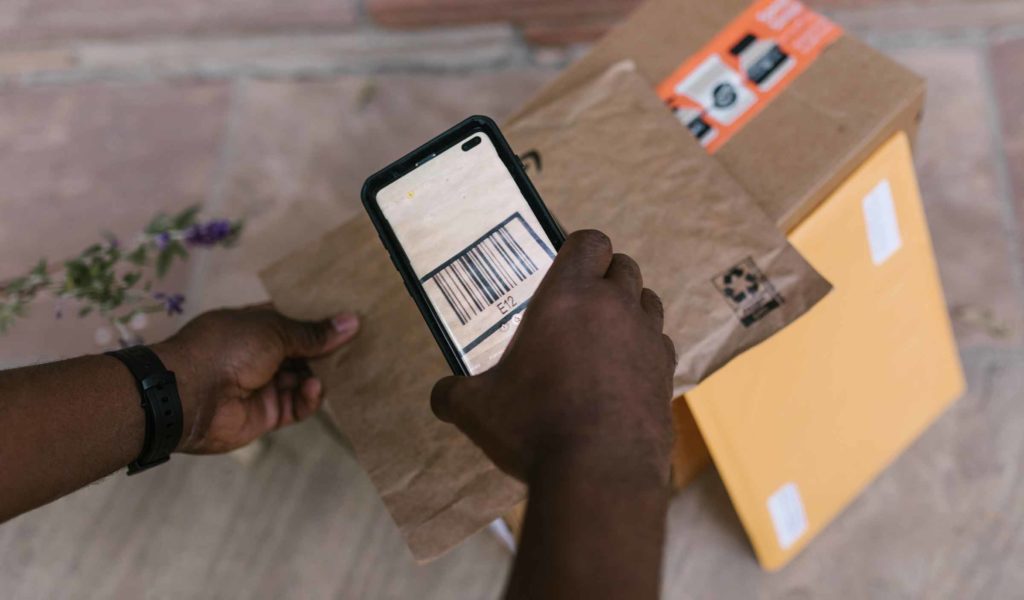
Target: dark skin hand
(240,375)
(578,408)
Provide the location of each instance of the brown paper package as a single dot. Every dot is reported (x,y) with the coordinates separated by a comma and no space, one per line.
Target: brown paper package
(612,159)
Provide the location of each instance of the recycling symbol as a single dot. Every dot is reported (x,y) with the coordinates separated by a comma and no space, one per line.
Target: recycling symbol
(738,284)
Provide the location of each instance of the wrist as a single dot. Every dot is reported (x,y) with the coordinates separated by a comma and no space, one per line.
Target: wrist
(176,360)
(608,464)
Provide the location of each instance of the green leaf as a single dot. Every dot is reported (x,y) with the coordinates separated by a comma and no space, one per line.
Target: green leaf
(84,311)
(41,269)
(8,315)
(16,285)
(186,218)
(160,223)
(236,232)
(178,249)
(163,262)
(77,277)
(131,278)
(137,256)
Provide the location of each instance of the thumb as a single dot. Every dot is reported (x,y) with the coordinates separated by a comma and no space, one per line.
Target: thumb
(308,339)
(446,399)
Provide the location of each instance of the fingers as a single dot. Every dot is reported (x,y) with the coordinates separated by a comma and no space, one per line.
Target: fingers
(625,273)
(585,254)
(310,397)
(270,414)
(281,406)
(300,387)
(306,339)
(670,349)
(286,380)
(653,307)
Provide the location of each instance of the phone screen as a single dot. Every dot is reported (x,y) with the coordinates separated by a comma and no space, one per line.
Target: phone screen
(473,242)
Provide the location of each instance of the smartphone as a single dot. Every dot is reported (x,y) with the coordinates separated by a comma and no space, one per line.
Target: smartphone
(469,235)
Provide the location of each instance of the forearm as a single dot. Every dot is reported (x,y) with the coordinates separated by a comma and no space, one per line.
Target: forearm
(591,532)
(64,425)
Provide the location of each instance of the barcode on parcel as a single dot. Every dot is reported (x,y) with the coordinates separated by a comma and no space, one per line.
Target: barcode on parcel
(490,268)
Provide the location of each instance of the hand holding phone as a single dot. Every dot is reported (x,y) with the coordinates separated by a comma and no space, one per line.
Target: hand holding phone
(469,235)
(589,374)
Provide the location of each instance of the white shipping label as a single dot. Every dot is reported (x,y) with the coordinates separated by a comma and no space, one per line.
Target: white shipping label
(788,516)
(882,225)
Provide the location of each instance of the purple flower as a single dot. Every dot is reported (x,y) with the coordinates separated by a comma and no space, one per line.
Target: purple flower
(162,240)
(209,234)
(173,303)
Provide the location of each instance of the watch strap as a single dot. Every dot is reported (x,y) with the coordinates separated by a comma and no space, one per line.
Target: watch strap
(158,392)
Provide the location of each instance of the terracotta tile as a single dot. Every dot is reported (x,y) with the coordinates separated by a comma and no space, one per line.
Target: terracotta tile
(55,19)
(564,32)
(303,150)
(270,56)
(421,13)
(1008,73)
(959,181)
(27,61)
(76,161)
(854,4)
(568,21)
(873,17)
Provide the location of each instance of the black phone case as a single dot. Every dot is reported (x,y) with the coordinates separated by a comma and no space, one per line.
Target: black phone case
(404,165)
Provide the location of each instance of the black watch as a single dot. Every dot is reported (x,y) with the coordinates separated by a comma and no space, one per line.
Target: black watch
(158,390)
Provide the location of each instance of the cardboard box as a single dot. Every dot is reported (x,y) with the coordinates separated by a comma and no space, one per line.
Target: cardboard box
(803,143)
(799,425)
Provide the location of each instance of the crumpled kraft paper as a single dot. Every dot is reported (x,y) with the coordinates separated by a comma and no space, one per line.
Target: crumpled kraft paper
(611,157)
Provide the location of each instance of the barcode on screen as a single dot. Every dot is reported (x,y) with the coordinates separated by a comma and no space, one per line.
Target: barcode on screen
(490,268)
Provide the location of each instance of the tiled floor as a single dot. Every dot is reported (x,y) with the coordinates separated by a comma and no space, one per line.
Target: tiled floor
(276,112)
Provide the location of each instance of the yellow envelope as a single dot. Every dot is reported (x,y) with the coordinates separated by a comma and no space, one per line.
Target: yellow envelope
(800,424)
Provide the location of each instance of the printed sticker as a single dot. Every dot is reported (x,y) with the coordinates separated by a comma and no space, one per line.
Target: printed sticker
(725,85)
(748,292)
(487,285)
(882,225)
(788,516)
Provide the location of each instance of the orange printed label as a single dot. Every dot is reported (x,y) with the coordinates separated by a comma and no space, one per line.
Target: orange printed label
(725,85)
